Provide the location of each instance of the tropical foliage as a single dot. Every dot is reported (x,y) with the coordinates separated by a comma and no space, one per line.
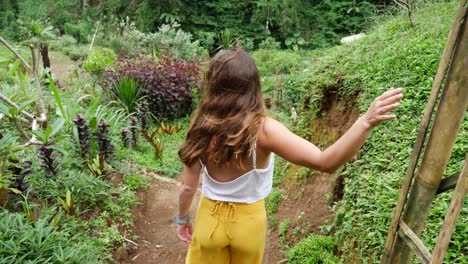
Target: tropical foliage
(75,147)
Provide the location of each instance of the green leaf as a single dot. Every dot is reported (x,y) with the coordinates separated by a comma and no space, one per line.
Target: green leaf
(15,190)
(23,105)
(47,133)
(40,136)
(64,204)
(68,197)
(56,126)
(4,110)
(57,220)
(58,100)
(93,123)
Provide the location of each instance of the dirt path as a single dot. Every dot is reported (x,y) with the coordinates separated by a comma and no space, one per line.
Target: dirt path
(61,65)
(154,224)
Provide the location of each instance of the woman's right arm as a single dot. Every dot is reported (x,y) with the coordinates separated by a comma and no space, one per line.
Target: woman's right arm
(189,184)
(276,138)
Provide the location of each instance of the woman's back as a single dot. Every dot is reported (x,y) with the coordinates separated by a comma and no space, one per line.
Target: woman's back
(230,172)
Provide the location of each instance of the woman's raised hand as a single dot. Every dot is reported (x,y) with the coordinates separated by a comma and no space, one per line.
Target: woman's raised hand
(378,111)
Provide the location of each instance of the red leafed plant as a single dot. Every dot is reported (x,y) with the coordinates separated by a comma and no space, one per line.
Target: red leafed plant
(167,82)
(170,128)
(155,142)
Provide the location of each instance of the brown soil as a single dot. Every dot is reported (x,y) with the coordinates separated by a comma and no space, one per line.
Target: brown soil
(154,224)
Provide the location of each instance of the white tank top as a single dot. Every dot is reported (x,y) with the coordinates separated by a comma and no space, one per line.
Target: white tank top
(252,186)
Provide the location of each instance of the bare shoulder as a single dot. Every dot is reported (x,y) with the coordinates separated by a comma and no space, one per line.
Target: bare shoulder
(270,127)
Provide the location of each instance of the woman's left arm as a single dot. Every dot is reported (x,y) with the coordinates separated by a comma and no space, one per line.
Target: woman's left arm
(189,184)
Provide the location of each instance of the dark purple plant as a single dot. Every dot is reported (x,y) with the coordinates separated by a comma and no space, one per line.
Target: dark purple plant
(84,135)
(134,130)
(126,140)
(144,113)
(20,171)
(104,144)
(48,160)
(167,82)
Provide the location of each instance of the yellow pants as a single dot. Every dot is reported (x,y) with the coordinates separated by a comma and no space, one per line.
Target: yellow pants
(228,233)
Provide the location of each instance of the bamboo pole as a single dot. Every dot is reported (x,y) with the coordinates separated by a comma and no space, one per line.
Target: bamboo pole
(449,117)
(94,37)
(35,63)
(453,212)
(33,69)
(415,243)
(8,46)
(439,78)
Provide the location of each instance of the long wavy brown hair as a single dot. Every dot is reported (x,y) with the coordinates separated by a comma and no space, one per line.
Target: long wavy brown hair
(224,128)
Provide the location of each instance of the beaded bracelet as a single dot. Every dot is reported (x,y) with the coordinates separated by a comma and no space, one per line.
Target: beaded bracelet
(179,221)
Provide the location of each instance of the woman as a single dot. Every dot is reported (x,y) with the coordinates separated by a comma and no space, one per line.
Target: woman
(231,143)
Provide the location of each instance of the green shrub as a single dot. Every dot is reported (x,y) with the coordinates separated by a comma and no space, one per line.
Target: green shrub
(81,31)
(283,230)
(271,62)
(136,181)
(23,242)
(128,93)
(314,249)
(294,89)
(178,41)
(207,40)
(273,200)
(122,45)
(98,60)
(62,42)
(89,191)
(126,39)
(76,52)
(269,44)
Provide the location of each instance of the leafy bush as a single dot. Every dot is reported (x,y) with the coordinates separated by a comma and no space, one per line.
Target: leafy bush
(273,200)
(271,62)
(23,242)
(314,249)
(294,89)
(136,181)
(76,52)
(62,42)
(283,230)
(125,39)
(98,60)
(206,39)
(81,31)
(178,41)
(167,83)
(269,44)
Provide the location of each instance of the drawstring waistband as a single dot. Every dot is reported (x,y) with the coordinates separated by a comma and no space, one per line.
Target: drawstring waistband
(229,217)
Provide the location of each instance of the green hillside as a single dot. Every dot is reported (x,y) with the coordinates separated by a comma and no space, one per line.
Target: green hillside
(393,54)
